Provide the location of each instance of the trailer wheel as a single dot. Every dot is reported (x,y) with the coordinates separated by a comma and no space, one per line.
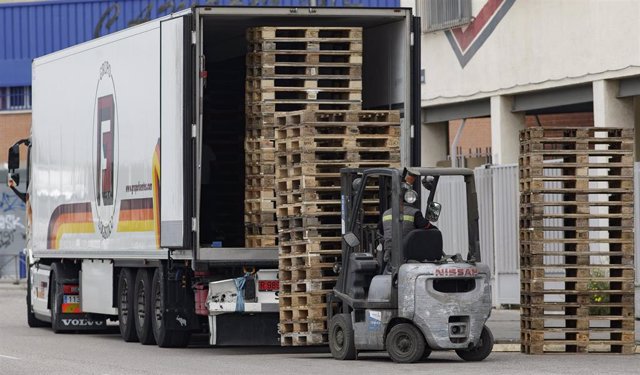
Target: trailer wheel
(143,307)
(341,340)
(126,305)
(164,337)
(32,321)
(482,350)
(405,343)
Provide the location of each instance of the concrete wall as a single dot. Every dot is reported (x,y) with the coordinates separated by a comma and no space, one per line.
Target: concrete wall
(528,45)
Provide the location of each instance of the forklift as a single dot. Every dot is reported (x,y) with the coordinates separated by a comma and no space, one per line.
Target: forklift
(421,299)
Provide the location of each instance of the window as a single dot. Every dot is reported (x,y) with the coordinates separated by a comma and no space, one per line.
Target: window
(443,14)
(15,98)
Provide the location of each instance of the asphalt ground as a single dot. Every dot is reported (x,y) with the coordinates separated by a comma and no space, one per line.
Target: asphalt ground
(25,350)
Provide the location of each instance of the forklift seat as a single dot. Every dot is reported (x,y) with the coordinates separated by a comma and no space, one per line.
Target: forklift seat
(423,245)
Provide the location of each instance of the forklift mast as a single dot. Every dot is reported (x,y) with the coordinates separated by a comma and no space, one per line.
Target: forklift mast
(352,195)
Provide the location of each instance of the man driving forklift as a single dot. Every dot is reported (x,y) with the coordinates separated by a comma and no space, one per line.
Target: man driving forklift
(412,218)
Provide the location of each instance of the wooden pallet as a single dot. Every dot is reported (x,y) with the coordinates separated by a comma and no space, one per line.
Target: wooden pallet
(263,84)
(288,33)
(304,338)
(300,248)
(536,342)
(321,58)
(255,241)
(292,326)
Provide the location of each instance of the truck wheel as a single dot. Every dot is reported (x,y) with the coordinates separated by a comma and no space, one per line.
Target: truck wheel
(126,305)
(482,350)
(32,321)
(165,338)
(143,307)
(55,297)
(405,343)
(341,337)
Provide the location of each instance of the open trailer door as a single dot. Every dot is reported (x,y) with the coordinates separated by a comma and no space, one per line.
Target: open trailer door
(176,142)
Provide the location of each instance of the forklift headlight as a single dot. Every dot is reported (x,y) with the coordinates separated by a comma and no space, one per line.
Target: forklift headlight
(410,196)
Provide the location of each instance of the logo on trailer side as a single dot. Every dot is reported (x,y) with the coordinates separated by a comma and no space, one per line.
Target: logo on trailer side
(105,150)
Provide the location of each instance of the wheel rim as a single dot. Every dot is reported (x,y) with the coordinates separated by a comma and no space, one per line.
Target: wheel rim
(124,302)
(339,338)
(158,306)
(403,343)
(141,304)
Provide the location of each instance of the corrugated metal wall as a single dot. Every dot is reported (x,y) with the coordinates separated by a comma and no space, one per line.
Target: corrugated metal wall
(484,189)
(506,218)
(30,30)
(553,210)
(453,218)
(498,206)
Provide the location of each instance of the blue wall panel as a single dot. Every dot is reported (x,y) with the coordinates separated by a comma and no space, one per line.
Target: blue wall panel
(30,30)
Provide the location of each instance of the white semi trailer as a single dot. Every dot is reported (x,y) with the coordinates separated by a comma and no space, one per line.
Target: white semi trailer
(135,182)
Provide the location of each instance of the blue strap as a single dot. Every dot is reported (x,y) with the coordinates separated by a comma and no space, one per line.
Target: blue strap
(240,281)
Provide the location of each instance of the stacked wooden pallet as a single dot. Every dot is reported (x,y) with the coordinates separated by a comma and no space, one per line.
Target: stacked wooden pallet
(288,69)
(576,235)
(311,148)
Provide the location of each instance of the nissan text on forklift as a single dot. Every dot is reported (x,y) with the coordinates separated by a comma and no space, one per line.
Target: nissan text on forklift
(424,300)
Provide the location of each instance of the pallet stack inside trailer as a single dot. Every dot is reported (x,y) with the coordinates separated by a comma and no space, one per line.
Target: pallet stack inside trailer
(576,236)
(311,148)
(288,69)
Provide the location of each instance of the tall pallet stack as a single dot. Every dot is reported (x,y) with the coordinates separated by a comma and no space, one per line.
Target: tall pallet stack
(288,69)
(576,236)
(311,148)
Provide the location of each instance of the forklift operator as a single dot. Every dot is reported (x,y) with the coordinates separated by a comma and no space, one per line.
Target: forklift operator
(412,218)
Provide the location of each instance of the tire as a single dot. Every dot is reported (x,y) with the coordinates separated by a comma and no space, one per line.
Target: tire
(32,321)
(341,338)
(55,297)
(143,307)
(405,343)
(427,352)
(126,305)
(482,350)
(165,338)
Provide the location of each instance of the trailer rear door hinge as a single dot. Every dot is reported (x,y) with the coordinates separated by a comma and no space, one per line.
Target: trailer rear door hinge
(193,37)
(412,38)
(194,224)
(194,133)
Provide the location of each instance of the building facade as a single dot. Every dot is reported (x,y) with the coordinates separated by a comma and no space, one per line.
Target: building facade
(581,68)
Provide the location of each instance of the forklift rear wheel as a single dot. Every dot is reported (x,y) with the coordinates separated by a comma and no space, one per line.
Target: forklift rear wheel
(405,343)
(341,340)
(482,350)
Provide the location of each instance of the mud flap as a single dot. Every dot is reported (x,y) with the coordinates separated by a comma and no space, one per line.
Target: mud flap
(179,313)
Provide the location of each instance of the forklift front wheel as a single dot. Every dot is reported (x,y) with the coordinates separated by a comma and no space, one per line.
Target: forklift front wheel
(482,350)
(341,340)
(405,343)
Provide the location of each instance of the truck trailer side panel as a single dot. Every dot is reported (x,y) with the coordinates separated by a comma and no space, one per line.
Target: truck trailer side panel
(96,145)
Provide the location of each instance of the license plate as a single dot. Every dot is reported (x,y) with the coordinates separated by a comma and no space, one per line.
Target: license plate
(70,299)
(268,285)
